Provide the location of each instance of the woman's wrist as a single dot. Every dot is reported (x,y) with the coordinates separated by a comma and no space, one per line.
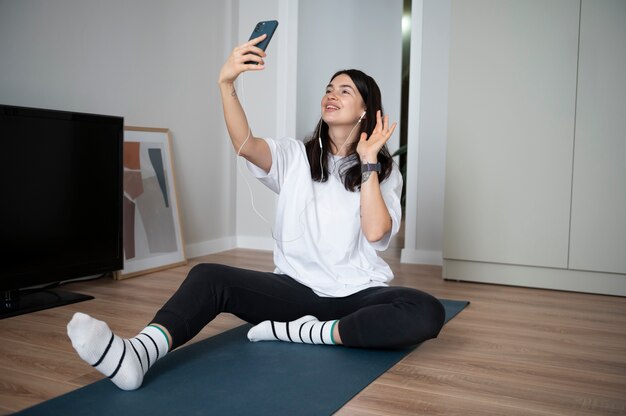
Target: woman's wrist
(228,85)
(227,88)
(369,158)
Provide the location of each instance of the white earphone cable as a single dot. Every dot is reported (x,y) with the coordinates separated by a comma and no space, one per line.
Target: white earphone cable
(256,211)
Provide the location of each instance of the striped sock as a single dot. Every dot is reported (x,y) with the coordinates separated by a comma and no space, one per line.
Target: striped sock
(124,361)
(306,330)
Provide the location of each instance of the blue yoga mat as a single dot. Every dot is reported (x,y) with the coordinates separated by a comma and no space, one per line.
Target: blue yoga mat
(228,375)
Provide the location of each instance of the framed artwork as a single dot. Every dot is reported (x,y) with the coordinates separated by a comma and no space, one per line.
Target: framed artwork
(153,237)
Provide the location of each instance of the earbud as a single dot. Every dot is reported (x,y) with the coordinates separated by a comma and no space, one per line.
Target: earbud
(362,115)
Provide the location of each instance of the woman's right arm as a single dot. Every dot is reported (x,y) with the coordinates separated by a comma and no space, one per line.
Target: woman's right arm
(255,149)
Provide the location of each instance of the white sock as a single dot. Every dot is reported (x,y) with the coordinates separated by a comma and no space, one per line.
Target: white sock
(306,330)
(124,361)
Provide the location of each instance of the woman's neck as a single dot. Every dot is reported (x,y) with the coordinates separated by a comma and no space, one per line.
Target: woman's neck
(341,137)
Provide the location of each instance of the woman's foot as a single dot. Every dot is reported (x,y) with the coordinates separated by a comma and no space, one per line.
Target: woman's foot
(124,361)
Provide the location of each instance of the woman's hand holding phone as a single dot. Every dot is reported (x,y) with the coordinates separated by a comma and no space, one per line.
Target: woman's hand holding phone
(249,56)
(245,57)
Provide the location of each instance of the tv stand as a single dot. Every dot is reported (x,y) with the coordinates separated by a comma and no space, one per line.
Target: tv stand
(15,302)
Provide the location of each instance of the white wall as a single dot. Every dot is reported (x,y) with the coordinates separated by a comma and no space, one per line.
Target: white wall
(335,35)
(155,63)
(268,98)
(428,103)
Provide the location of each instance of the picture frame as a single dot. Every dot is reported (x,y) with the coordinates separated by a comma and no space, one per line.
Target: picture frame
(153,237)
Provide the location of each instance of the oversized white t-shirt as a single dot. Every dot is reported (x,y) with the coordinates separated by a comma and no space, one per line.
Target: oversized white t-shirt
(317,233)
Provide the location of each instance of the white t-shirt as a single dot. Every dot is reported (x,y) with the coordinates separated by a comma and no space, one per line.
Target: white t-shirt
(317,234)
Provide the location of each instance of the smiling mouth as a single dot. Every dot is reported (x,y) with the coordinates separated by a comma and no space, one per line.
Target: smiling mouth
(331,108)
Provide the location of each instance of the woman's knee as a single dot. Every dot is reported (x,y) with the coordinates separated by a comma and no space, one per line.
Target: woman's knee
(204,269)
(204,283)
(427,316)
(206,274)
(396,318)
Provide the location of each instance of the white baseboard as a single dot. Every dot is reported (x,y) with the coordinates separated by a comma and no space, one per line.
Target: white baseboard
(209,247)
(434,258)
(255,243)
(205,248)
(538,277)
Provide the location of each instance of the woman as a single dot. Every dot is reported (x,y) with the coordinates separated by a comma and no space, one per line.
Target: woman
(337,206)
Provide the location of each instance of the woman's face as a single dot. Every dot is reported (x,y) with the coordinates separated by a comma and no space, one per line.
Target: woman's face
(342,104)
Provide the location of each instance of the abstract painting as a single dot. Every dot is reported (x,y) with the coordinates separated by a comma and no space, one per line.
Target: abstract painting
(152,232)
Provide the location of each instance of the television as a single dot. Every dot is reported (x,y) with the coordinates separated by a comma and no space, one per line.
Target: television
(61,184)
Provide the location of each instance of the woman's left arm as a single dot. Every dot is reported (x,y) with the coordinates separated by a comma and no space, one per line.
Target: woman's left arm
(375,218)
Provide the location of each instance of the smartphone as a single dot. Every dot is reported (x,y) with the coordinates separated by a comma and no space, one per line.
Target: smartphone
(267,27)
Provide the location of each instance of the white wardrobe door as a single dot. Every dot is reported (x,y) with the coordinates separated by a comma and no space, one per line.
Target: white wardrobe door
(598,233)
(510,131)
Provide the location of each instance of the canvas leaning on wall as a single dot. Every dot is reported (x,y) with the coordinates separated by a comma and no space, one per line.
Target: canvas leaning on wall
(152,232)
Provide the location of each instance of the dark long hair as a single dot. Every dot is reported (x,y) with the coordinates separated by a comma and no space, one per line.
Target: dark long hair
(350,168)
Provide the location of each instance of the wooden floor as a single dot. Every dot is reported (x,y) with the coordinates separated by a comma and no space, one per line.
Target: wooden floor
(513,351)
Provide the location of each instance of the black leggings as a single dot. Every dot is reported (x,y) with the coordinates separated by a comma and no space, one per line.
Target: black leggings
(378,317)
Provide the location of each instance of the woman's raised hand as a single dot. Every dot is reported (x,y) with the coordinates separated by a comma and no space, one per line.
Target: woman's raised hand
(368,148)
(240,60)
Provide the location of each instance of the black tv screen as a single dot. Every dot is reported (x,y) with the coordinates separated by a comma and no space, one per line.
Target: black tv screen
(61,186)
